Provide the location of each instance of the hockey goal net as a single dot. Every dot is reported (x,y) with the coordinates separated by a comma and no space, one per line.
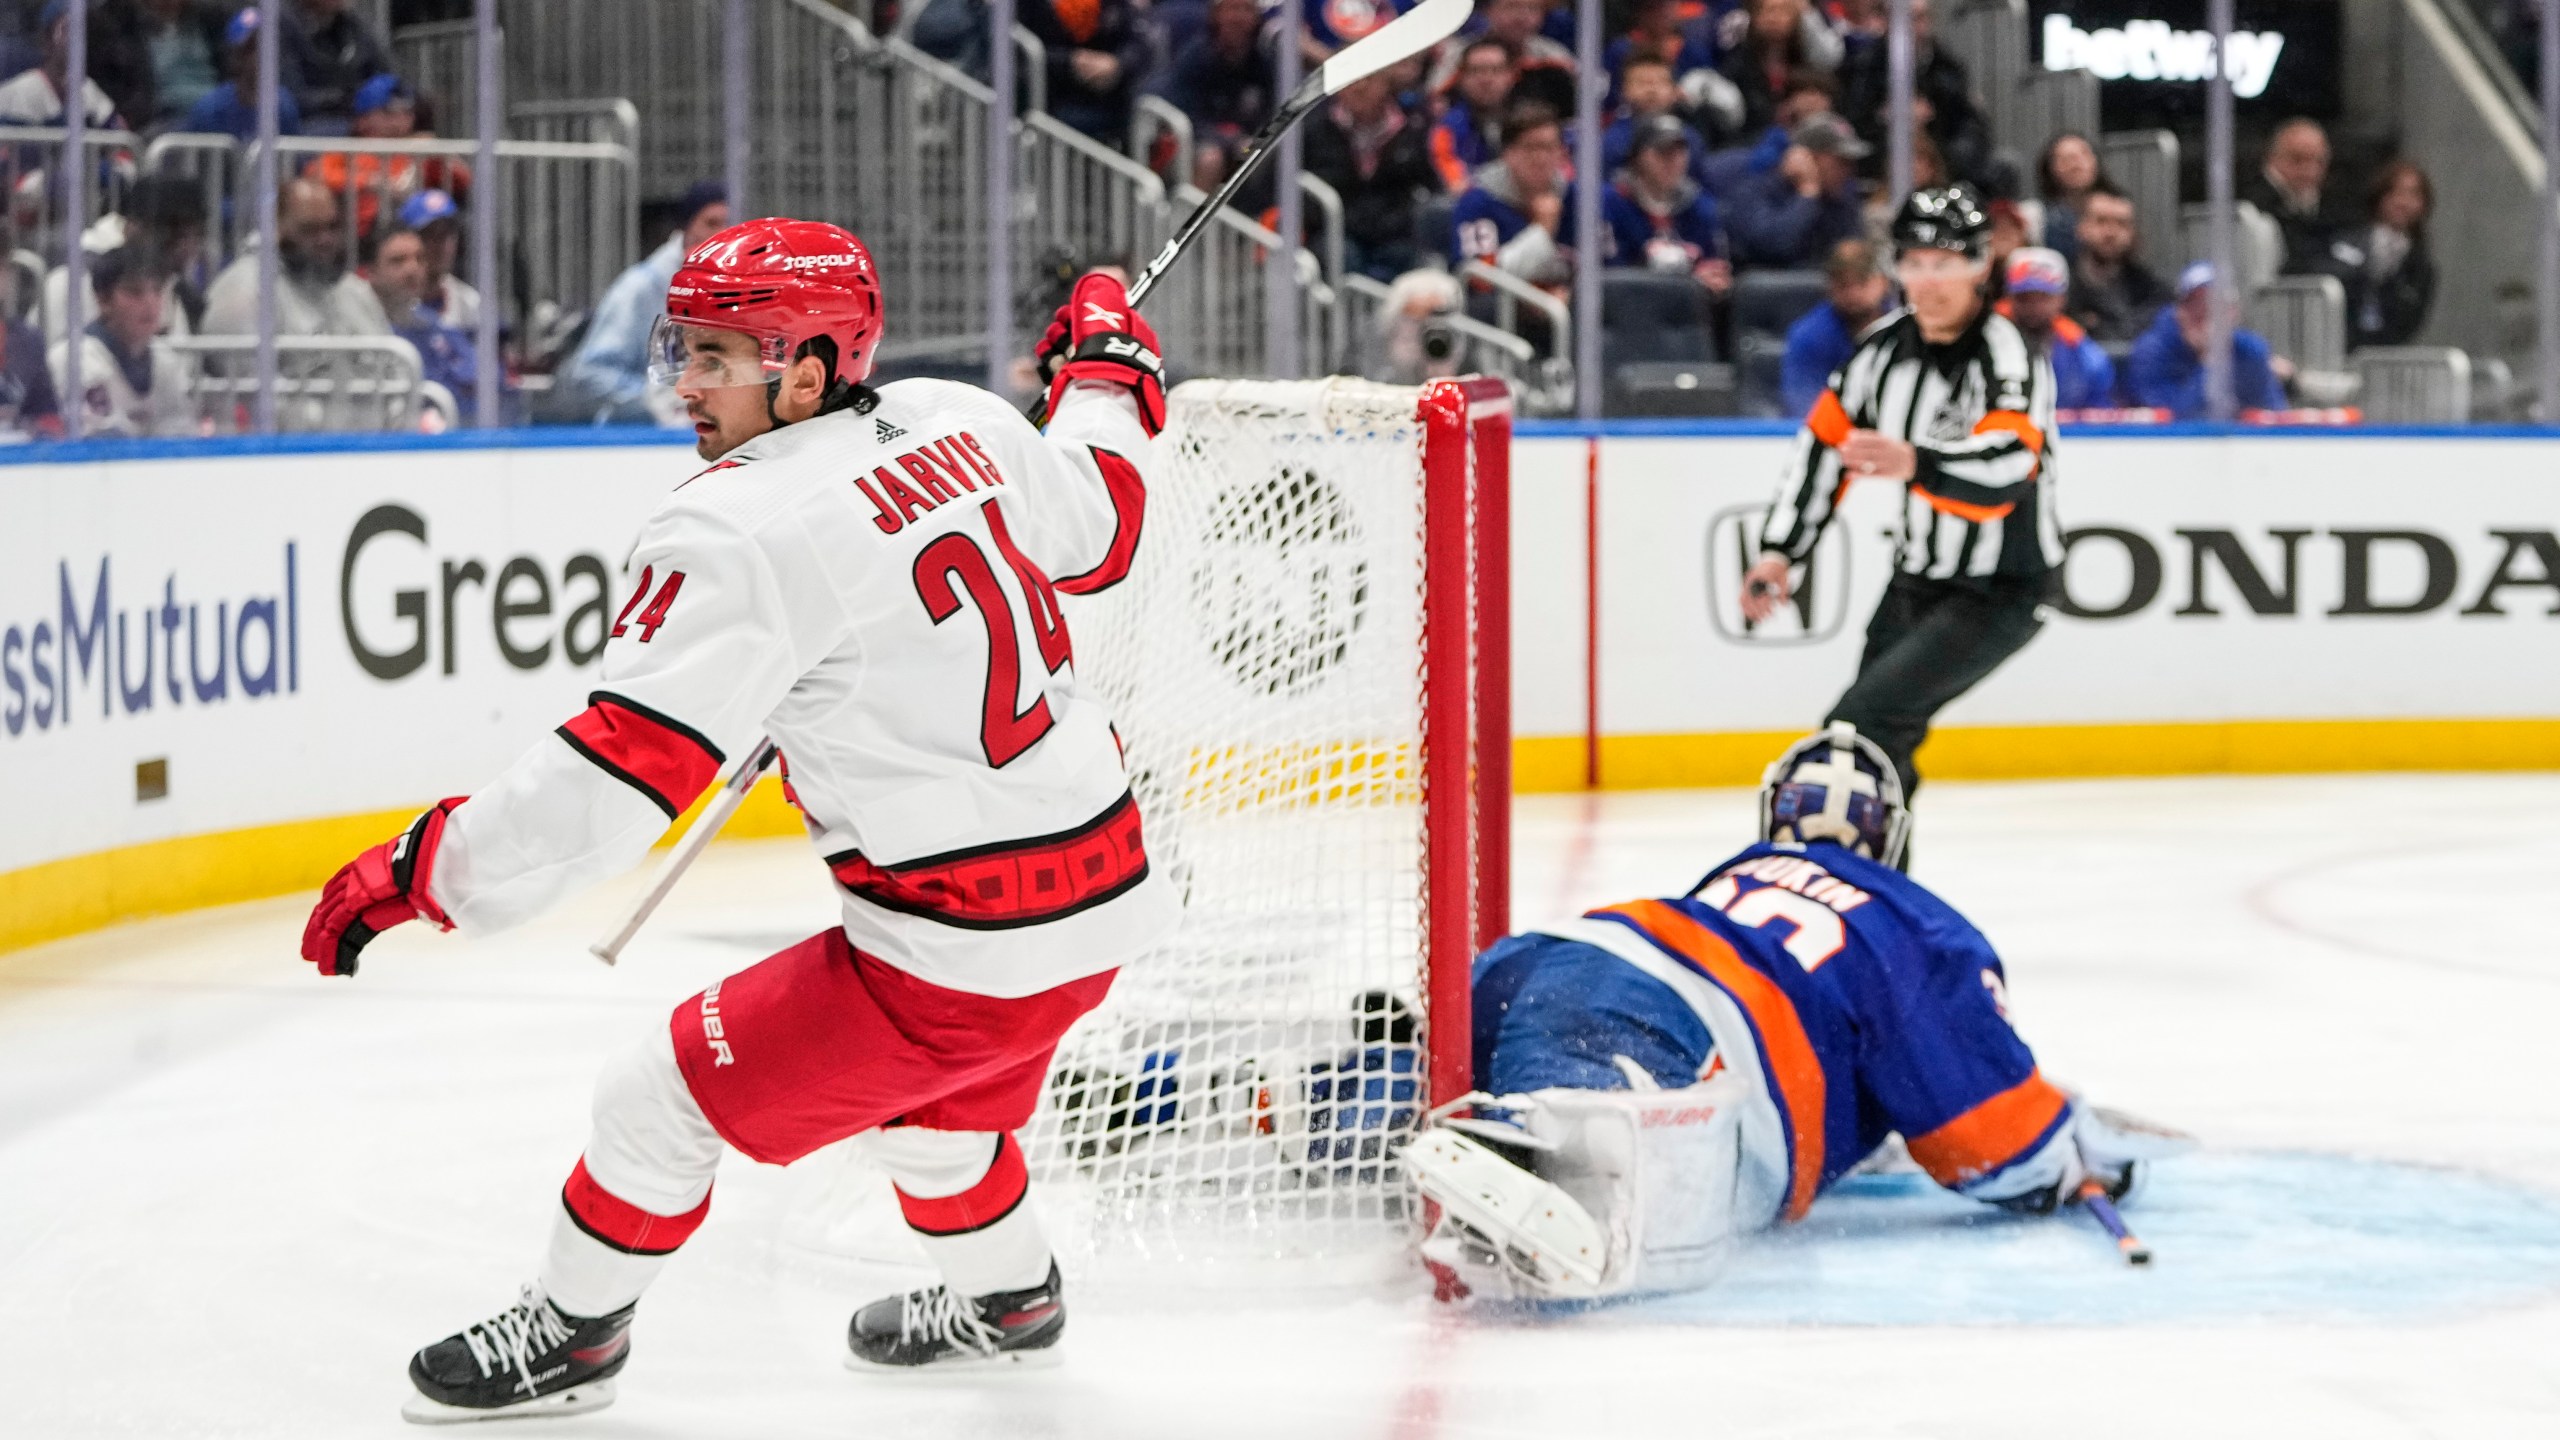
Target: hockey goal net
(1309,668)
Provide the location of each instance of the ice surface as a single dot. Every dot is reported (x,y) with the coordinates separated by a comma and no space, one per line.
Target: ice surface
(233,1197)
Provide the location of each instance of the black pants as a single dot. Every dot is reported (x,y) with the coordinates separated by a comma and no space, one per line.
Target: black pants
(1931,641)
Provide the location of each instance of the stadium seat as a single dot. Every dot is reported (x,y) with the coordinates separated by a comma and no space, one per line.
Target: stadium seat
(1768,301)
(1760,368)
(2415,384)
(1431,224)
(1670,388)
(1649,316)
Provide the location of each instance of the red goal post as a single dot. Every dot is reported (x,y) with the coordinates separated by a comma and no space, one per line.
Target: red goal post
(1466,462)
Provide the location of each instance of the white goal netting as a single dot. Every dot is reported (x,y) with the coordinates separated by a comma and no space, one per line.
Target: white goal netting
(1239,1097)
(1235,1109)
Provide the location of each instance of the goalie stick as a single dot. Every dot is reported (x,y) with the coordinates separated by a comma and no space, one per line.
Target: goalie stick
(2093,1198)
(1402,38)
(680,859)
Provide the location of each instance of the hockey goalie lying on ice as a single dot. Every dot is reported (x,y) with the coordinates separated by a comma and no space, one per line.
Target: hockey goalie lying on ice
(1660,1077)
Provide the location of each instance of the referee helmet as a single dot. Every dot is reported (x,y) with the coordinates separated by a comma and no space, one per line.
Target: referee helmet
(1943,217)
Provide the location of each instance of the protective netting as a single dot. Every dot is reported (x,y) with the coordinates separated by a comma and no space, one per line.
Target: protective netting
(1239,1098)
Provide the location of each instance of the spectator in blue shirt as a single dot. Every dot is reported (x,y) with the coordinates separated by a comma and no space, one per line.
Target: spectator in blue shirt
(446,355)
(1332,24)
(1470,131)
(231,108)
(1514,216)
(1224,80)
(608,379)
(1824,337)
(2037,279)
(2167,369)
(1658,218)
(1724,172)
(1658,33)
(1648,96)
(1792,217)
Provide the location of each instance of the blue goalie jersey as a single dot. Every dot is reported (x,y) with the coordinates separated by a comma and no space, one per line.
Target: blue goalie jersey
(1865,1004)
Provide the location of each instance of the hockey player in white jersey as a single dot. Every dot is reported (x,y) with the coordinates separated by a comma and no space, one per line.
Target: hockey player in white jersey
(870,577)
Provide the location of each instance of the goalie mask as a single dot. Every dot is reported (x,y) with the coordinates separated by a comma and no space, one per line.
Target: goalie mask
(1839,787)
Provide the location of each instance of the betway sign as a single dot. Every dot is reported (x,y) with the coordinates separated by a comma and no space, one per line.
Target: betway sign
(2154,50)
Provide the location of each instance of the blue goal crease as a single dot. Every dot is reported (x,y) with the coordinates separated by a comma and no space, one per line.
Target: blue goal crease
(2241,1236)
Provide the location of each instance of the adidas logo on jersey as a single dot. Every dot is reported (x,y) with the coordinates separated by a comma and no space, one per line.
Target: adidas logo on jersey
(888,432)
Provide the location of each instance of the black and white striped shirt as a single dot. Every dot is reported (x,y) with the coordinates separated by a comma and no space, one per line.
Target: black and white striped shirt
(1979,409)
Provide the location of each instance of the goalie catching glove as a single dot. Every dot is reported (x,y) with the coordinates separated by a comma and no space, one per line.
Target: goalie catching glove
(383,887)
(1097,335)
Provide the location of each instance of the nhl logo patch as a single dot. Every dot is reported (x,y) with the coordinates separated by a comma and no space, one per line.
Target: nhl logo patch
(1948,426)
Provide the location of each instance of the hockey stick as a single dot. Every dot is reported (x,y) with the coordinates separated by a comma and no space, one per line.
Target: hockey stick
(680,859)
(1400,39)
(2093,1198)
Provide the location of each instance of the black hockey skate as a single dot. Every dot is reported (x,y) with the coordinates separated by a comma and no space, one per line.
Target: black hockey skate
(528,1359)
(929,1327)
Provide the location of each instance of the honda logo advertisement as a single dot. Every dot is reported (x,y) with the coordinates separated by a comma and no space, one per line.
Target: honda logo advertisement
(2206,580)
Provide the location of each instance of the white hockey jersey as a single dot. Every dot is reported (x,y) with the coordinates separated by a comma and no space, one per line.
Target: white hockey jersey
(876,591)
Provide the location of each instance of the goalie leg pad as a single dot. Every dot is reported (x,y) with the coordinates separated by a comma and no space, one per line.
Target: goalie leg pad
(1541,1234)
(1660,1168)
(1650,1182)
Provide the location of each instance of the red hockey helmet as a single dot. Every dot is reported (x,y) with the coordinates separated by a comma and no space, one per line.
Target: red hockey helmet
(782,282)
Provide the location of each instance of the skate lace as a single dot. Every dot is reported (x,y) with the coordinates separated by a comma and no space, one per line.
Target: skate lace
(516,1334)
(937,1314)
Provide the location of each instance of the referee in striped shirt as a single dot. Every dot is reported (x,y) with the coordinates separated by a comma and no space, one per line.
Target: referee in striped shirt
(1947,398)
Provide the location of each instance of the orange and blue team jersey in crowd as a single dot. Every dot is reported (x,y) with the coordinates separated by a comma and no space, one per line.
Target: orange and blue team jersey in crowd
(1872,1007)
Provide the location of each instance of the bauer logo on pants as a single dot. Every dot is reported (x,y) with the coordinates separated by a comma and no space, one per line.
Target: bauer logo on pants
(713,1032)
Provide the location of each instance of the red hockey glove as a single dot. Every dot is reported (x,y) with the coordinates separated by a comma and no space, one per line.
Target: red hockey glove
(383,887)
(1097,336)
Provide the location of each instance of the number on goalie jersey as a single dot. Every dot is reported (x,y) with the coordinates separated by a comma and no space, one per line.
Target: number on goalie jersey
(1863,1005)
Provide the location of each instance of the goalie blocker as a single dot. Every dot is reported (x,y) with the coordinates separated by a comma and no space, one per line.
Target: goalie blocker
(1657,1078)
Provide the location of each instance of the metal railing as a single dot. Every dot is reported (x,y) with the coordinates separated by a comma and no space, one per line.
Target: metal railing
(1510,292)
(569,211)
(367,383)
(2144,164)
(1154,117)
(2414,384)
(30,155)
(213,163)
(1034,69)
(1325,203)
(611,120)
(2304,318)
(440,61)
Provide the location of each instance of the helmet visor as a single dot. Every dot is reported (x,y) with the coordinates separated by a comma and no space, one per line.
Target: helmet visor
(690,356)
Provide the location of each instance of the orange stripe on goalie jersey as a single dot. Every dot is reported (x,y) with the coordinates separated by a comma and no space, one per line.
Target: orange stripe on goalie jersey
(1795,1069)
(1990,1135)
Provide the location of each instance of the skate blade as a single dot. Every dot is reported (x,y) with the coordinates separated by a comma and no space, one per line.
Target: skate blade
(576,1400)
(999,1363)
